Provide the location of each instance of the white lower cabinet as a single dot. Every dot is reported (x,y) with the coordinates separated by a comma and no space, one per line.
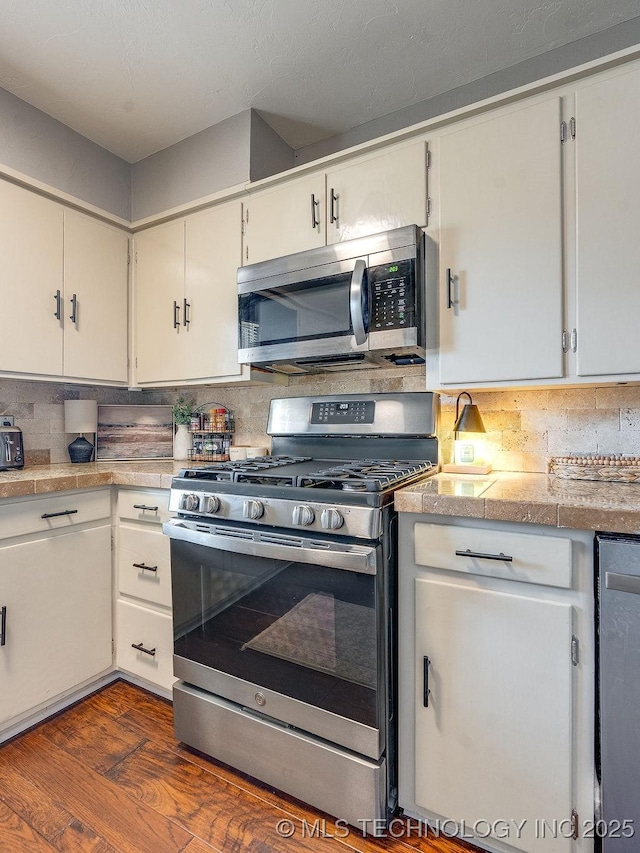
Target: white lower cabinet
(496,682)
(144,627)
(55,591)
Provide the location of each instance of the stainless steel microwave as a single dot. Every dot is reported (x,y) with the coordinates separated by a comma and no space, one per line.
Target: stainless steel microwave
(354,304)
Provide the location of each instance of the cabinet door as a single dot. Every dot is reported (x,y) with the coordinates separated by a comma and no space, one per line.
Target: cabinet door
(95,273)
(501,236)
(608,212)
(159,283)
(494,743)
(57,592)
(377,194)
(31,251)
(213,255)
(281,220)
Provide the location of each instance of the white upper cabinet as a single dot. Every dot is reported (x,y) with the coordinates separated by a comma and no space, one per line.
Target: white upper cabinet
(500,291)
(608,215)
(31,241)
(213,255)
(66,291)
(364,196)
(186,298)
(159,295)
(377,193)
(285,219)
(96,299)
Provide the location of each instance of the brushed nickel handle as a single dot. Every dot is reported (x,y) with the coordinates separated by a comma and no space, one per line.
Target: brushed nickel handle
(57,514)
(144,506)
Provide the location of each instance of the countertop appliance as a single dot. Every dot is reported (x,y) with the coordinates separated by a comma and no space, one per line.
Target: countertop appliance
(359,303)
(11,448)
(284,599)
(619,690)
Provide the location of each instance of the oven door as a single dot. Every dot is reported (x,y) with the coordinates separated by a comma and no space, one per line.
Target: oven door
(290,628)
(322,311)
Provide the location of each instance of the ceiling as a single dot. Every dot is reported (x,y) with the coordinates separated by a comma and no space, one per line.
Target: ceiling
(138,75)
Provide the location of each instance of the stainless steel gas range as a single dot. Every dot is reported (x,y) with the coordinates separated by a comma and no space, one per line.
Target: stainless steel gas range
(284,599)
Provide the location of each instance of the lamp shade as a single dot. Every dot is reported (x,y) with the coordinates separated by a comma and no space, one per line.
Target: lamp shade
(469,420)
(80,416)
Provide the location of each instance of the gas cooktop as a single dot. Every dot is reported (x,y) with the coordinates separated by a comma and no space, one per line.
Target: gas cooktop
(361,475)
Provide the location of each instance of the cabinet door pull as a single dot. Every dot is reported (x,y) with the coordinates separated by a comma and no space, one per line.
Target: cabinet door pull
(145,567)
(74,309)
(140,647)
(186,319)
(58,312)
(450,279)
(505,558)
(57,514)
(144,506)
(333,207)
(176,315)
(425,685)
(3,626)
(315,206)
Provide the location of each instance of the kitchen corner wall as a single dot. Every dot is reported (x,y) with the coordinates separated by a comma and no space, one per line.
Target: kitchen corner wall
(524,427)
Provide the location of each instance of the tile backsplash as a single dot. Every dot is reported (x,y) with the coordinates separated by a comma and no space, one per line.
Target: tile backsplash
(524,427)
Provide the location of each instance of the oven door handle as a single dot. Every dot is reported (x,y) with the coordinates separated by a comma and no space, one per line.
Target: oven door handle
(352,558)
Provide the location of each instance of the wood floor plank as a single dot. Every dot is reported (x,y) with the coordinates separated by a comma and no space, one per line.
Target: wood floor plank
(76,838)
(126,823)
(96,739)
(206,805)
(47,817)
(200,846)
(18,837)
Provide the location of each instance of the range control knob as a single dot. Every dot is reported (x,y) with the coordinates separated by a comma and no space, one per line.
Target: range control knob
(210,504)
(252,509)
(303,515)
(190,502)
(331,519)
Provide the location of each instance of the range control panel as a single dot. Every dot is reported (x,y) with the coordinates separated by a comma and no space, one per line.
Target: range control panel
(343,412)
(392,295)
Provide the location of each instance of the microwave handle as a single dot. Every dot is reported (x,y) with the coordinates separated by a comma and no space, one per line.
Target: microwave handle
(356,307)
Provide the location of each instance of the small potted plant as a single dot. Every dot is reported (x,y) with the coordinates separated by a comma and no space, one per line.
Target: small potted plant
(182,410)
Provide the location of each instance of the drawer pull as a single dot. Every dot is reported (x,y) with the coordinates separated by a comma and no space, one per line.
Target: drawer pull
(3,626)
(505,558)
(144,506)
(140,647)
(56,514)
(145,567)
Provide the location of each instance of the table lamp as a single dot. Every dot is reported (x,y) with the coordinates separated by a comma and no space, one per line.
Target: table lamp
(468,451)
(80,416)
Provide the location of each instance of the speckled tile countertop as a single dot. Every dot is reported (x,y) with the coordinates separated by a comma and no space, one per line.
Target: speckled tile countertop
(532,498)
(39,479)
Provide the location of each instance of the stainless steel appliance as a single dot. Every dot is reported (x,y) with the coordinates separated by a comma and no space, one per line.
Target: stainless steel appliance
(284,599)
(11,448)
(619,691)
(359,303)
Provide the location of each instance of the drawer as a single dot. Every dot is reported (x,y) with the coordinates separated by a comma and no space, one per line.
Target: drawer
(54,512)
(144,546)
(526,557)
(148,505)
(154,631)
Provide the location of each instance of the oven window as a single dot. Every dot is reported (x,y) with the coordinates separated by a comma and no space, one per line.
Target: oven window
(300,312)
(303,630)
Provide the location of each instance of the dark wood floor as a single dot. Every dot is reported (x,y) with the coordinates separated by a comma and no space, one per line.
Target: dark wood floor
(108,775)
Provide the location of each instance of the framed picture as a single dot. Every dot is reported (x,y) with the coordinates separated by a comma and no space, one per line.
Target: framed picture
(134,432)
